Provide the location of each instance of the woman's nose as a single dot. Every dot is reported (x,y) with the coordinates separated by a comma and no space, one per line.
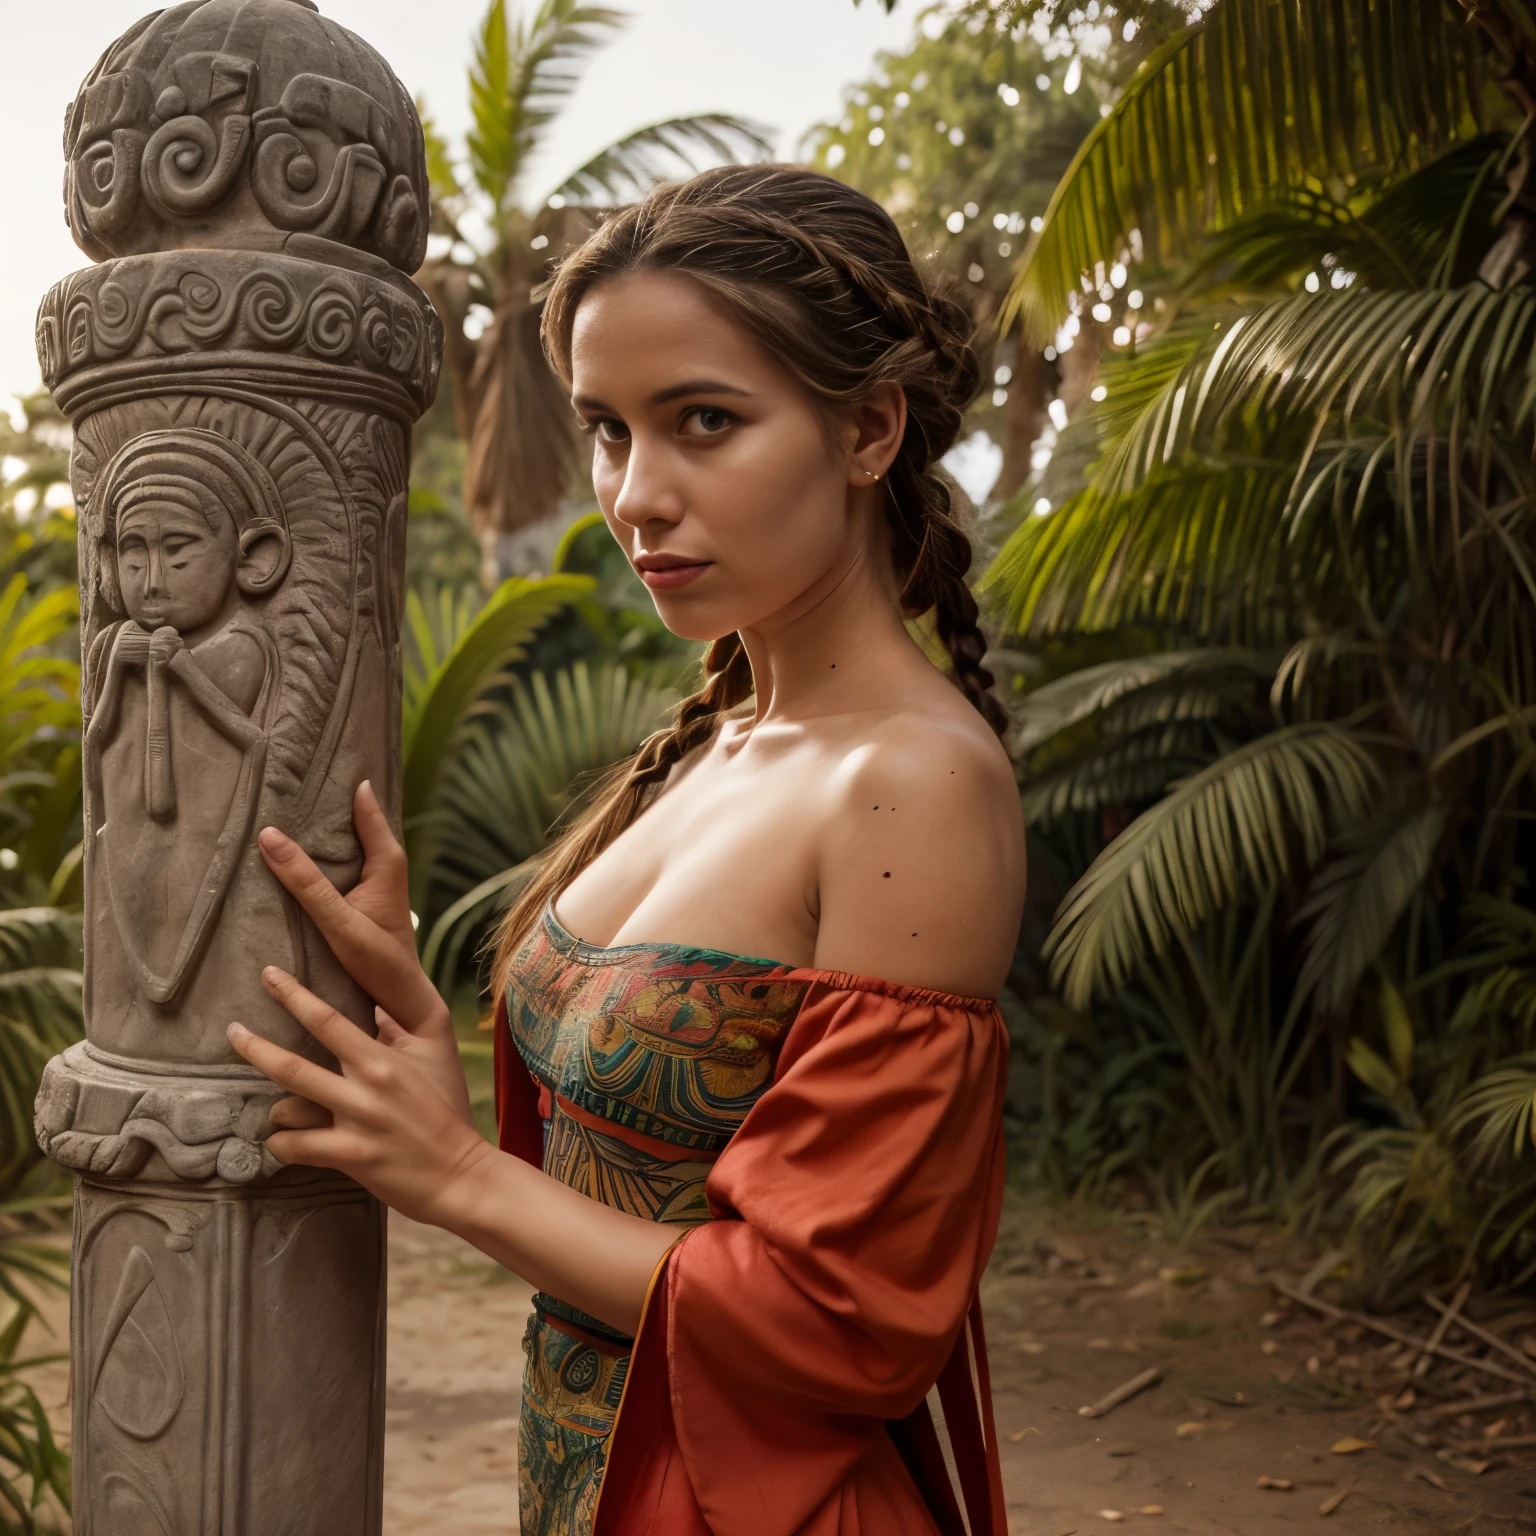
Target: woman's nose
(156,569)
(648,491)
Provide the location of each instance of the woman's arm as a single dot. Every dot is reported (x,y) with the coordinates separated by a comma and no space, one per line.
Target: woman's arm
(396,1116)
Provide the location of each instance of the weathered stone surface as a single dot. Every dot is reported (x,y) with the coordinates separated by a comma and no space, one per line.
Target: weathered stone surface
(242,372)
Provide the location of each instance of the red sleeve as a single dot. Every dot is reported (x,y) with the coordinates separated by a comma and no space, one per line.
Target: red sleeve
(855,1210)
(519,1130)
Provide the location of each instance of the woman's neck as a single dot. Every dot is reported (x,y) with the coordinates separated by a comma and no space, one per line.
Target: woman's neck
(840,647)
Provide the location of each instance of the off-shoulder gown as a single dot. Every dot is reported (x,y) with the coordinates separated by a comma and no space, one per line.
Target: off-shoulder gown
(829,1148)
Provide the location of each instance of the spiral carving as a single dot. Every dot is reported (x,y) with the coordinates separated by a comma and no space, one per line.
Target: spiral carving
(376,336)
(106,181)
(332,323)
(285,166)
(167,306)
(188,169)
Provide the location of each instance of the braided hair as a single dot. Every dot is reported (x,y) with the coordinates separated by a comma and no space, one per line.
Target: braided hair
(819,275)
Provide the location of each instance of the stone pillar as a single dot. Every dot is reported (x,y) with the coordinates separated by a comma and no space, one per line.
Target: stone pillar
(242,370)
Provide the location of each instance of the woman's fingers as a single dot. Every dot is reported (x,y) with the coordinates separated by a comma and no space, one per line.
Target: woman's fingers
(292,1072)
(380,849)
(337,1033)
(296,1114)
(301,877)
(381,964)
(309,1149)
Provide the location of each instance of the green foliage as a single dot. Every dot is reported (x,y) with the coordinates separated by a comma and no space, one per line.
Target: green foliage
(1253,98)
(1228,829)
(40,982)
(457,651)
(1292,819)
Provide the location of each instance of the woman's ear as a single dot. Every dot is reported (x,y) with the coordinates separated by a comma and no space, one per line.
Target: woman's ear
(265,551)
(879,422)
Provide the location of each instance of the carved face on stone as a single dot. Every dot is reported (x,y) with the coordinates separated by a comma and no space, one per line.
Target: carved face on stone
(194,524)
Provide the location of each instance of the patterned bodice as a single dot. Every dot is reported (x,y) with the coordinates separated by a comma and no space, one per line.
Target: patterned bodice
(648,1058)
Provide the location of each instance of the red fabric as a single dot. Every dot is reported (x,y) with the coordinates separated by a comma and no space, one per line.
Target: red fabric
(855,1210)
(519,1125)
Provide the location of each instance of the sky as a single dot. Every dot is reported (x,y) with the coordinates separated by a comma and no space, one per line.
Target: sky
(782,62)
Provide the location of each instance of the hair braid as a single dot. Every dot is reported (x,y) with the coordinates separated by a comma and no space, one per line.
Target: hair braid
(819,275)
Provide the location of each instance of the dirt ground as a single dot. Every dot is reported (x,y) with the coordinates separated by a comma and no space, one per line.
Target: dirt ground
(1072,1311)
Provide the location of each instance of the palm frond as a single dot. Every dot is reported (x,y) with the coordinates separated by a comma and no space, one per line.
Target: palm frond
(1203,131)
(1125,770)
(1499,1110)
(442,174)
(1217,495)
(520,76)
(1398,240)
(454,655)
(1192,544)
(1239,824)
(1048,710)
(634,164)
(1357,899)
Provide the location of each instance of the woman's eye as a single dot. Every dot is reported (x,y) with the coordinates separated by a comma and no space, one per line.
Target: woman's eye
(611,431)
(706,421)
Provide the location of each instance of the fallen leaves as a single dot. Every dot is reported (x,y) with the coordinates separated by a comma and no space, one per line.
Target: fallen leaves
(1349,1446)
(1280,1484)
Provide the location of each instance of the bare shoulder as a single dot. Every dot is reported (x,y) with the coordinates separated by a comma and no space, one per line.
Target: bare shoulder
(921,876)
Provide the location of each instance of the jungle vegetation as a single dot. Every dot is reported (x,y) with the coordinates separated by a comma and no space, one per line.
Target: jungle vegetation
(1271,614)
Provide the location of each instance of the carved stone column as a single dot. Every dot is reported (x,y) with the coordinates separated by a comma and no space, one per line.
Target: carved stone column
(242,371)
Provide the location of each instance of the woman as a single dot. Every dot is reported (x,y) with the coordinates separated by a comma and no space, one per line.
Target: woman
(768,384)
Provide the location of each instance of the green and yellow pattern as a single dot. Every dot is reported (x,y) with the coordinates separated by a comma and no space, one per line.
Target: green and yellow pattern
(650,1056)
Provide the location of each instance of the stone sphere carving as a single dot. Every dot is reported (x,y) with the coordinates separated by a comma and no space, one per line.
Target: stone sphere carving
(251,125)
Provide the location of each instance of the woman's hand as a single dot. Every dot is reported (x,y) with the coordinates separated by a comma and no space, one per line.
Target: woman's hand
(379,1120)
(369,931)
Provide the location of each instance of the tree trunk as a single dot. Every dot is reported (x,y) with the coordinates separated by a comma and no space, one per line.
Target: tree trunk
(1024,418)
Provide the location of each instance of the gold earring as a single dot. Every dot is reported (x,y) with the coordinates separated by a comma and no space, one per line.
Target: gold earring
(872,475)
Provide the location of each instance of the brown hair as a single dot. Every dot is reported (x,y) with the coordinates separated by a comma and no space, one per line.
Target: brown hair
(820,276)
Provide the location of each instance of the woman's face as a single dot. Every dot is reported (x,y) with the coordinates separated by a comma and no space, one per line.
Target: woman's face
(713,467)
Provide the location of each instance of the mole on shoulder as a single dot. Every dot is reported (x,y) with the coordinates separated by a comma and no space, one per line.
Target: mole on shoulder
(887,875)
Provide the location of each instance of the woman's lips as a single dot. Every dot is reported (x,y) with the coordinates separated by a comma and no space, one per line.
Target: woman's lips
(666,575)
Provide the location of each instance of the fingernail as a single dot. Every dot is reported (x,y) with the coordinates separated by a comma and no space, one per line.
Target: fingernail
(236,1033)
(368,785)
(272,975)
(273,842)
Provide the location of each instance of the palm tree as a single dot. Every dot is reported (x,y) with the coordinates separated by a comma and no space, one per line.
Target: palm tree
(509,407)
(1305,502)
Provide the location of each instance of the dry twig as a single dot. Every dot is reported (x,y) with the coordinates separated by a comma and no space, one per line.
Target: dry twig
(1122,1393)
(1447,1316)
(1491,1339)
(1331,1503)
(1467,1405)
(1471,1362)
